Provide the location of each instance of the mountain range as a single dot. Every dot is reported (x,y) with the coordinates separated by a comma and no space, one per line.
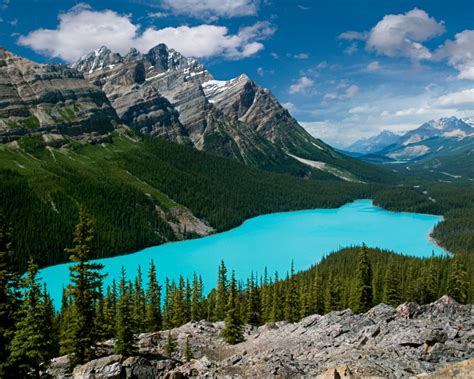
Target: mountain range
(445,145)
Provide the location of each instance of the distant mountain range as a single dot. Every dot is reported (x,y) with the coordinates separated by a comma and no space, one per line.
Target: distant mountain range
(440,145)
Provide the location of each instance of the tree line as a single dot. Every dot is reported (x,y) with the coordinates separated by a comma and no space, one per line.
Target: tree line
(32,332)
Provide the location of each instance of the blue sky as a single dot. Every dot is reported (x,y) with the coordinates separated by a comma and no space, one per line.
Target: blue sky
(344,69)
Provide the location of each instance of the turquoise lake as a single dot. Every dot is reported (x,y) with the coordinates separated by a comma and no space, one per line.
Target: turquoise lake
(272,241)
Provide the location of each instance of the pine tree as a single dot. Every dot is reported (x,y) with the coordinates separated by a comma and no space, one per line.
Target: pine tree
(333,296)
(221,293)
(178,303)
(168,306)
(317,295)
(187,352)
(86,282)
(110,309)
(232,332)
(292,307)
(139,302)
(391,293)
(34,340)
(361,294)
(170,346)
(253,308)
(429,282)
(457,280)
(124,337)
(9,297)
(276,312)
(196,299)
(153,308)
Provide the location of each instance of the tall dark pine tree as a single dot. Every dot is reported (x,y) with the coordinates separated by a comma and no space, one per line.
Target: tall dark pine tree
(153,305)
(9,297)
(361,292)
(292,307)
(125,343)
(196,299)
(391,292)
(86,281)
(34,340)
(221,293)
(232,332)
(457,280)
(333,295)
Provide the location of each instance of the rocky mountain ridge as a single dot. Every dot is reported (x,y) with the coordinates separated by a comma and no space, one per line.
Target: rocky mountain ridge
(385,342)
(49,100)
(167,95)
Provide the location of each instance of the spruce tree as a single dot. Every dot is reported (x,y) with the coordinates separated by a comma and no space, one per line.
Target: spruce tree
(253,306)
(196,299)
(317,294)
(86,281)
(333,295)
(34,341)
(153,307)
(221,293)
(391,293)
(232,332)
(124,338)
(457,280)
(292,308)
(9,297)
(187,352)
(170,346)
(361,293)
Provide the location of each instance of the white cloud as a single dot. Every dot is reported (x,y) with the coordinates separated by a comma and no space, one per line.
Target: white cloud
(373,66)
(212,9)
(456,98)
(351,49)
(4,4)
(290,106)
(302,85)
(82,30)
(401,35)
(459,53)
(351,91)
(301,56)
(352,35)
(158,14)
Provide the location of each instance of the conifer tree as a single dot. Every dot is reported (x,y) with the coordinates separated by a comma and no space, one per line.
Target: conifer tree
(187,352)
(221,293)
(168,306)
(9,297)
(391,293)
(179,303)
(332,299)
(196,299)
(170,346)
(457,280)
(110,309)
(317,294)
(253,308)
(124,337)
(361,294)
(292,308)
(276,312)
(153,307)
(232,332)
(429,282)
(34,340)
(86,281)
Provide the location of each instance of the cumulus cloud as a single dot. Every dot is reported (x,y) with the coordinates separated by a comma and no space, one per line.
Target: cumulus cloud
(463,97)
(351,91)
(459,53)
(302,85)
(212,9)
(82,30)
(400,35)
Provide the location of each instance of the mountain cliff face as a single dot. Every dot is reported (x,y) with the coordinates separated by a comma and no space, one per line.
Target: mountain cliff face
(170,96)
(49,99)
(374,144)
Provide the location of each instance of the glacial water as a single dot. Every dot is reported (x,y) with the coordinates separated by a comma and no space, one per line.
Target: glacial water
(272,241)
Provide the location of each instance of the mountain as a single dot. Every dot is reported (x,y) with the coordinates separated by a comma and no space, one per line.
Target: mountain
(442,147)
(373,144)
(164,94)
(50,99)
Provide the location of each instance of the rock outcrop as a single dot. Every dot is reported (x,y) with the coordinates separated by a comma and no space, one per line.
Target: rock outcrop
(409,341)
(50,100)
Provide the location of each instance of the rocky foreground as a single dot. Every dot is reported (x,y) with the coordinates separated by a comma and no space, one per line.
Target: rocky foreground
(435,340)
